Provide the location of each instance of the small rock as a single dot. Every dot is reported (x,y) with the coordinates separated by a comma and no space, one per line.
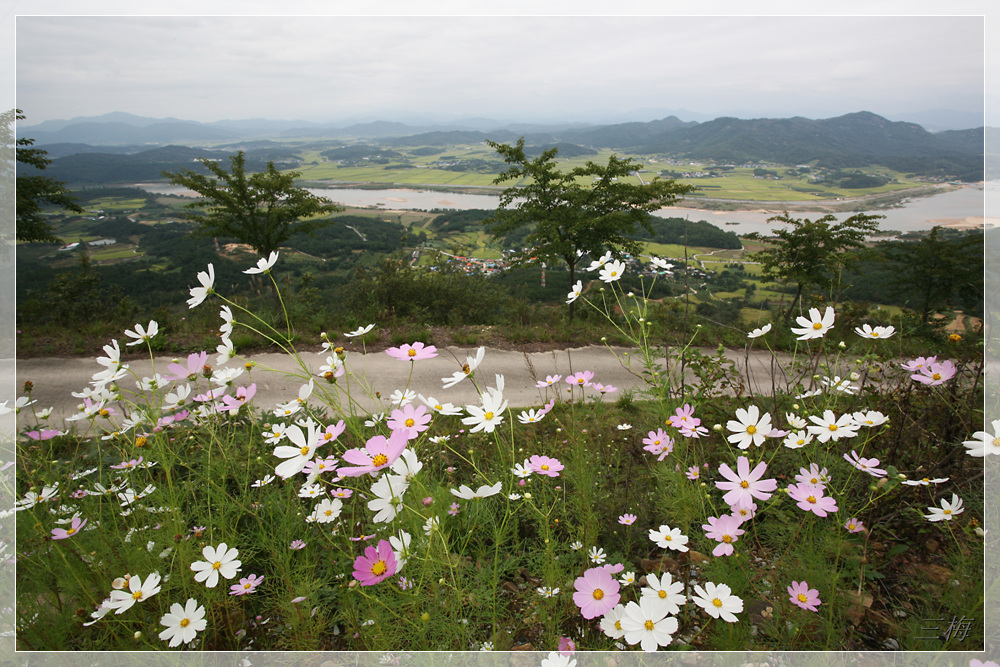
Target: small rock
(891,644)
(932,545)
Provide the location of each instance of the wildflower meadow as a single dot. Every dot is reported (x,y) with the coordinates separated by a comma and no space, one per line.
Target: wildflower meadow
(841,510)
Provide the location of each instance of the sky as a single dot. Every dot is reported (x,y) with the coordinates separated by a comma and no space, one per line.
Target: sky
(510,68)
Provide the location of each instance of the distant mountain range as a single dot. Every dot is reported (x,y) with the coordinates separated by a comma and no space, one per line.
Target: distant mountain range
(851,141)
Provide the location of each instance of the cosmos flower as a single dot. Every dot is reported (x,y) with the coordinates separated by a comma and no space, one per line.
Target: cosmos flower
(648,624)
(718,601)
(360,331)
(378,563)
(757,333)
(726,530)
(947,511)
(612,271)
(574,294)
(415,352)
(219,561)
(199,294)
(983,442)
(183,623)
(867,331)
(801,595)
(749,427)
(596,592)
(744,485)
(263,264)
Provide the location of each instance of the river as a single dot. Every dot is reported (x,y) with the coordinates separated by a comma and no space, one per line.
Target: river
(915,214)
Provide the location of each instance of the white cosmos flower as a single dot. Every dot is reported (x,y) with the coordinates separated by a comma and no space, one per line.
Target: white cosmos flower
(299,452)
(575,293)
(225,350)
(612,271)
(664,588)
(138,591)
(648,624)
(142,335)
(797,439)
(227,320)
(361,331)
(219,561)
(669,538)
(795,421)
(947,511)
(611,622)
(718,601)
(327,510)
(263,265)
(468,368)
(466,493)
(842,386)
(749,427)
(531,416)
(871,419)
(388,491)
(598,263)
(402,398)
(757,333)
(183,623)
(488,416)
(660,263)
(875,332)
(400,547)
(440,408)
(199,294)
(816,325)
(407,465)
(831,427)
(983,442)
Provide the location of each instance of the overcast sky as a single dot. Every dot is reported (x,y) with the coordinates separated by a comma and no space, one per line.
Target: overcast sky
(502,67)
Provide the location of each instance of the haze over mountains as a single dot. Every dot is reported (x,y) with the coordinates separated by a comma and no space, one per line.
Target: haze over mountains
(853,140)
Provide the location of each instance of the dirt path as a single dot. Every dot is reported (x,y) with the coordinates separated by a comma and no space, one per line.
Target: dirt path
(55,378)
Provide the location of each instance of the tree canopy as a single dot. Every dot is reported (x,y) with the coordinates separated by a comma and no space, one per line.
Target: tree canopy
(263,209)
(34,190)
(586,210)
(809,252)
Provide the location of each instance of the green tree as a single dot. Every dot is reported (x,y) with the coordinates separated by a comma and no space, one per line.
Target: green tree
(261,209)
(583,211)
(32,191)
(931,272)
(812,252)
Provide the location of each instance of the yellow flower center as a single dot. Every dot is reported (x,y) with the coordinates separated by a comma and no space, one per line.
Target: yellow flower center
(727,539)
(70,531)
(618,625)
(936,376)
(745,484)
(140,441)
(717,602)
(668,538)
(185,622)
(137,595)
(545,467)
(304,451)
(817,325)
(814,481)
(409,423)
(802,597)
(329,512)
(216,565)
(439,407)
(412,352)
(874,335)
(751,429)
(656,443)
(947,511)
(466,369)
(580,381)
(649,625)
(379,568)
(996,442)
(852,526)
(598,594)
(380,460)
(488,416)
(833,427)
(247,585)
(926,480)
(614,273)
(811,499)
(662,594)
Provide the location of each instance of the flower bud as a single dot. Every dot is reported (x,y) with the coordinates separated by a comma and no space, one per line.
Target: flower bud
(842,345)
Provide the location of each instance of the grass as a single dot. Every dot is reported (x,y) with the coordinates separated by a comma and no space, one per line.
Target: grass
(474,565)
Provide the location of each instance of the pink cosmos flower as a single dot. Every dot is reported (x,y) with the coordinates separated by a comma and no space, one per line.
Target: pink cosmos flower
(801,595)
(613,568)
(694,431)
(854,525)
(744,512)
(935,374)
(127,465)
(246,585)
(603,388)
(454,509)
(44,434)
(320,465)
(658,443)
(196,363)
(74,527)
(812,499)
(566,646)
(726,530)
(596,592)
(243,394)
(684,417)
(548,381)
(378,453)
(868,465)
(694,472)
(627,519)
(341,493)
(919,363)
(412,420)
(813,476)
(331,432)
(544,465)
(744,485)
(414,352)
(296,545)
(581,379)
(377,564)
